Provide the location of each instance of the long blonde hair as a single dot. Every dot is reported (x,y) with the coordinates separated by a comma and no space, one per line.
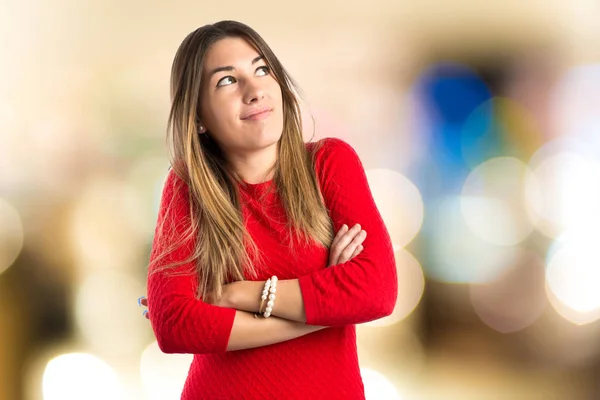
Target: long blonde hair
(221,249)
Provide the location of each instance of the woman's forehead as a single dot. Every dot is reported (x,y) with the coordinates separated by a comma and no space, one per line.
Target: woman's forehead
(229,52)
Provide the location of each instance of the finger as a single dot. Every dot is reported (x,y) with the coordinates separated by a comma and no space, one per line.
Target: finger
(343,242)
(348,253)
(339,234)
(342,245)
(141,301)
(363,237)
(145,314)
(144,302)
(359,238)
(332,253)
(359,248)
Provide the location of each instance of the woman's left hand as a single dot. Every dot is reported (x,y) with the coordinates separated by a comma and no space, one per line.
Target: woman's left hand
(143,302)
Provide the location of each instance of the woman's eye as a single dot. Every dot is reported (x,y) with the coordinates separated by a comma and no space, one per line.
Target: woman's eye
(262,71)
(228,80)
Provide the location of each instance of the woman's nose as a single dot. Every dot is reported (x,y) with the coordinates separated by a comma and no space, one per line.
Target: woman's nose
(253,92)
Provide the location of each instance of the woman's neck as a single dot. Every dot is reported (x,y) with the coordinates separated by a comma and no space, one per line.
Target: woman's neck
(257,167)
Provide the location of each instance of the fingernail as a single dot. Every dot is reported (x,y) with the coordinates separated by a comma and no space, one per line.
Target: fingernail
(145,313)
(140,300)
(357,226)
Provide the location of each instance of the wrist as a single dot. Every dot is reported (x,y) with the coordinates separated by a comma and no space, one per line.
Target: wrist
(227,298)
(243,295)
(254,294)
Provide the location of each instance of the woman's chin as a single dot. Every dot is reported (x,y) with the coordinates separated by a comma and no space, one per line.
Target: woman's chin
(267,138)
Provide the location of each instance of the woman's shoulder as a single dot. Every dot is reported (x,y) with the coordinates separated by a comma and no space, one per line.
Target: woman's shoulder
(331,148)
(174,183)
(326,145)
(171,177)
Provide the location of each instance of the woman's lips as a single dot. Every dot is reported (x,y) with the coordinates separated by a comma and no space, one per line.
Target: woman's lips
(258,115)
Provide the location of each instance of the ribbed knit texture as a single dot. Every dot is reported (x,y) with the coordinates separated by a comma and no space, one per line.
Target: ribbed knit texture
(321,365)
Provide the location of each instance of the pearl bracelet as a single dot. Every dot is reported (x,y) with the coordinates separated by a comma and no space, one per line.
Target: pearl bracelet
(263,297)
(272,290)
(268,295)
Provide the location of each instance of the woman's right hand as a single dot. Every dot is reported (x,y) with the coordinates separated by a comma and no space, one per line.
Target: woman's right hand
(346,245)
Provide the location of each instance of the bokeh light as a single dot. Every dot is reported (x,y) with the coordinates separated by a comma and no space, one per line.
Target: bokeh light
(146,179)
(568,313)
(11,235)
(80,376)
(10,176)
(446,94)
(569,193)
(499,127)
(457,255)
(377,386)
(107,315)
(520,130)
(562,338)
(438,85)
(480,136)
(575,104)
(163,375)
(492,201)
(399,202)
(104,225)
(411,284)
(516,299)
(573,278)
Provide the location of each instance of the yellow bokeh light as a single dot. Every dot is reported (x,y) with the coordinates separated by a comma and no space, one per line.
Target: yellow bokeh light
(11,235)
(377,386)
(567,313)
(146,178)
(520,130)
(399,202)
(79,376)
(102,231)
(573,279)
(163,375)
(107,314)
(411,284)
(492,201)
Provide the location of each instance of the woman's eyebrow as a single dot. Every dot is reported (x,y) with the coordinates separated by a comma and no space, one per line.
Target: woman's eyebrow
(231,68)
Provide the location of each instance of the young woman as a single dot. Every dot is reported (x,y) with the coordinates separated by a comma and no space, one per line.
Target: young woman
(245,272)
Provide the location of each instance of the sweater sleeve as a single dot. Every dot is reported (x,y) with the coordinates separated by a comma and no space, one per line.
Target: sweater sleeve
(181,322)
(366,287)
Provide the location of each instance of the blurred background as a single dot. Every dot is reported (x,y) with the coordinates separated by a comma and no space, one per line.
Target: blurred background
(478,124)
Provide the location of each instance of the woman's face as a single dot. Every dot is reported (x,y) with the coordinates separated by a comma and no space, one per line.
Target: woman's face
(241,104)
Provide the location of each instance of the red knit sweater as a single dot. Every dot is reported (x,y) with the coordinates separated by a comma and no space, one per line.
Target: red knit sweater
(320,365)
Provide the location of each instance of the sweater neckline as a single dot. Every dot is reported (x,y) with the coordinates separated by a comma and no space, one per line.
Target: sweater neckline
(256,188)
(264,183)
